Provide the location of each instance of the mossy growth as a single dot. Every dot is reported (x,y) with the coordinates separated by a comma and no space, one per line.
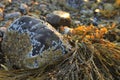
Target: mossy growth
(15,46)
(48,57)
(108,13)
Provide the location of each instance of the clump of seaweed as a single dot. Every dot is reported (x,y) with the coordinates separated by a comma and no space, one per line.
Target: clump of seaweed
(15,46)
(90,32)
(90,62)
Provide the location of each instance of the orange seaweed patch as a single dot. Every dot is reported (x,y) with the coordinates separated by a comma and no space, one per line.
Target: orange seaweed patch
(117,3)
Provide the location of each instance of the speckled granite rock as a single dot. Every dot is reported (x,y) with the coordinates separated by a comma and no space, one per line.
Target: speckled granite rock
(42,37)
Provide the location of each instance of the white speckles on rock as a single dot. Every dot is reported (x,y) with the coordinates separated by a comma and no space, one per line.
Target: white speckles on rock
(30,22)
(42,36)
(42,49)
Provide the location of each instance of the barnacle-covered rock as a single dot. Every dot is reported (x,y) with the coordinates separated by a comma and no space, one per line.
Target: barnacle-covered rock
(42,37)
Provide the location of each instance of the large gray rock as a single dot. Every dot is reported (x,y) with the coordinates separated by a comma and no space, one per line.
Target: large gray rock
(42,37)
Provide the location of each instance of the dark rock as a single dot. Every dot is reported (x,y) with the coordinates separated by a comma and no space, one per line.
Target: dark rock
(74,3)
(39,32)
(42,36)
(59,18)
(1,34)
(2,57)
(94,21)
(111,36)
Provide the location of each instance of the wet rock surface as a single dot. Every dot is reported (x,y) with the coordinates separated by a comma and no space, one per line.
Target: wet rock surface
(42,34)
(42,37)
(59,18)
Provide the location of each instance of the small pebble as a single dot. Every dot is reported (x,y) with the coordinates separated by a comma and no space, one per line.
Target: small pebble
(42,7)
(24,8)
(2,6)
(3,29)
(12,15)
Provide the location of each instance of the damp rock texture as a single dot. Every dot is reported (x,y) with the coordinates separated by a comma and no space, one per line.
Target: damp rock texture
(59,18)
(74,3)
(42,37)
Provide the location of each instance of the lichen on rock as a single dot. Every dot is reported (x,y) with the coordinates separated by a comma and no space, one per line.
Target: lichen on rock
(27,38)
(15,46)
